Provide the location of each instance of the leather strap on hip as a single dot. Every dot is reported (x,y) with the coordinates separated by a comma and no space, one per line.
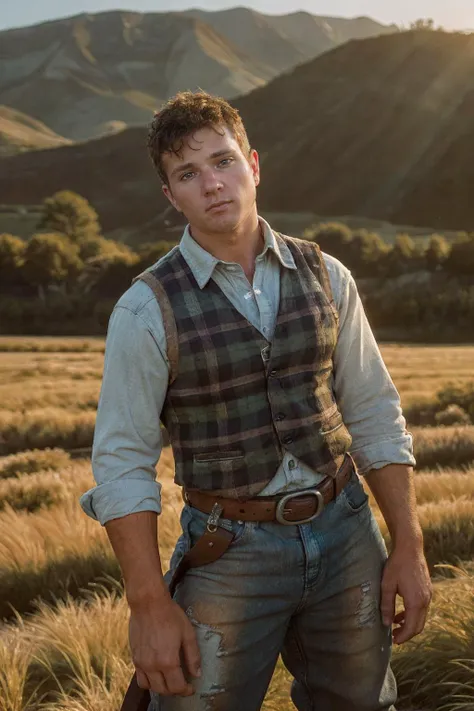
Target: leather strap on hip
(209,547)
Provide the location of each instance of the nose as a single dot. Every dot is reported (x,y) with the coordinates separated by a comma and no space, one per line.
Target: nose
(211,181)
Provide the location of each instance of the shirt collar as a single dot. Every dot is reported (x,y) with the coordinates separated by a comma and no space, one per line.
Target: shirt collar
(202,263)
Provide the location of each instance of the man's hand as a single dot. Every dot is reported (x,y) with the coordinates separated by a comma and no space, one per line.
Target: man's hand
(164,648)
(406,574)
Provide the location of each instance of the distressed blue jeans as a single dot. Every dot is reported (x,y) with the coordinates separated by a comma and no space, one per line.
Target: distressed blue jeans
(309,592)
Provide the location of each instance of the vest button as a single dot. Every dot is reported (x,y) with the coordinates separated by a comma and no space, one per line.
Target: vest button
(280,416)
(287,440)
(273,373)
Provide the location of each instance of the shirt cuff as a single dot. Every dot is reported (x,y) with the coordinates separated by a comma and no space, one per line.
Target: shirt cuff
(115,499)
(381,454)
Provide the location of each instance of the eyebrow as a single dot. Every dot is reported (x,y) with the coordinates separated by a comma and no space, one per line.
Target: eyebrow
(216,154)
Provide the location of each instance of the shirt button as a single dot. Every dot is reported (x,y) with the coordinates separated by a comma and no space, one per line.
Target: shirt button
(280,416)
(292,464)
(287,440)
(273,373)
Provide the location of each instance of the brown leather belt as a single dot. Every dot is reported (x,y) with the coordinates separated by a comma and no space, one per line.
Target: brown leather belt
(294,508)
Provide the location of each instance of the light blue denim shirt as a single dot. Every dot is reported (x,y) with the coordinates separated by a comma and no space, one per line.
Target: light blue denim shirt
(128,442)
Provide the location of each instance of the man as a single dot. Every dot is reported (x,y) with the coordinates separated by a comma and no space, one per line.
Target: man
(254,350)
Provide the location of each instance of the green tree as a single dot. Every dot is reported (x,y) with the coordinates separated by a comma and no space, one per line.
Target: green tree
(69,214)
(437,252)
(99,246)
(332,237)
(50,259)
(426,23)
(109,274)
(404,256)
(367,252)
(12,251)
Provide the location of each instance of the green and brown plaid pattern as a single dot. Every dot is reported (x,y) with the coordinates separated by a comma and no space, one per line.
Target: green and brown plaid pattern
(238,399)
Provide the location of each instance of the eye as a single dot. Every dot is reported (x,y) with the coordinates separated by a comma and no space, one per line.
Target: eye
(185,176)
(226,161)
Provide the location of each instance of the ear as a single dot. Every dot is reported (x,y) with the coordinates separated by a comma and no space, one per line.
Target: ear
(254,162)
(167,191)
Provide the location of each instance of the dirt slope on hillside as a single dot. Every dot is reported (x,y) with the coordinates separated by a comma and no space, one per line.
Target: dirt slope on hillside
(19,132)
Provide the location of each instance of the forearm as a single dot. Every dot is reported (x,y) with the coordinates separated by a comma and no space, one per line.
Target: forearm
(134,539)
(394,490)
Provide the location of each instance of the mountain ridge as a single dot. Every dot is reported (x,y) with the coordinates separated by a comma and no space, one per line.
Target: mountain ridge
(86,72)
(380,127)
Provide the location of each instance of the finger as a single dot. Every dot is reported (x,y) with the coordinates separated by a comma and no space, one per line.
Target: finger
(142,679)
(413,622)
(422,620)
(157,683)
(176,683)
(191,653)
(387,604)
(399,617)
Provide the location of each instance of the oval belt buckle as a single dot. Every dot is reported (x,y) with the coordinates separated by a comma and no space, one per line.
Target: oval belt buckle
(280,509)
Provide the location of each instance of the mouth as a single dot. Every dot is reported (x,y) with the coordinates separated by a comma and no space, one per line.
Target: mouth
(218,205)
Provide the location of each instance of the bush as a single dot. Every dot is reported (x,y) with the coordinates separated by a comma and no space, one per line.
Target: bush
(50,259)
(31,493)
(12,251)
(33,461)
(460,395)
(111,274)
(43,428)
(332,237)
(452,415)
(443,446)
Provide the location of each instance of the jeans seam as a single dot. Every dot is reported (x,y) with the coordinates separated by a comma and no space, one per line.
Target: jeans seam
(304,660)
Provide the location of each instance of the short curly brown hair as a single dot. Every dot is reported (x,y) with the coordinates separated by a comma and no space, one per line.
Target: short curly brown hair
(188,112)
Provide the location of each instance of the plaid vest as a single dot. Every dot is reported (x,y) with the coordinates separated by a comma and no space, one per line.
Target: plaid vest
(234,400)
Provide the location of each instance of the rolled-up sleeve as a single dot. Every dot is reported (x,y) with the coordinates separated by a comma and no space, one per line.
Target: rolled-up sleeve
(367,397)
(127,439)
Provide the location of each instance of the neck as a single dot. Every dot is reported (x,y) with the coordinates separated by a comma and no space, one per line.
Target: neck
(242,245)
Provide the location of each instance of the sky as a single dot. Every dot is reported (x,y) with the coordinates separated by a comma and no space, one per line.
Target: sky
(452,14)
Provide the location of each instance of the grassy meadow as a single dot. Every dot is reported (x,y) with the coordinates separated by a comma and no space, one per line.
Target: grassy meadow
(64,629)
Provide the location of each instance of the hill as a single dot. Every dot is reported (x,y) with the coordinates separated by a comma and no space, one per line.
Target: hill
(280,42)
(79,74)
(381,128)
(19,132)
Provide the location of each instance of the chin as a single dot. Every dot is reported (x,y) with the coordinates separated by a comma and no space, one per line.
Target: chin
(222,223)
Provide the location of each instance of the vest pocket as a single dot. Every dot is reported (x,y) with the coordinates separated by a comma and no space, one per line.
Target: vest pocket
(218,456)
(335,434)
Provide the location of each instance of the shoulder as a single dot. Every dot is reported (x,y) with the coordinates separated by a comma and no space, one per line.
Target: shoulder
(338,273)
(339,276)
(139,295)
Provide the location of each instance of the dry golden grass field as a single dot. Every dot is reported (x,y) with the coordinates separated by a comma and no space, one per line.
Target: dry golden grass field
(64,635)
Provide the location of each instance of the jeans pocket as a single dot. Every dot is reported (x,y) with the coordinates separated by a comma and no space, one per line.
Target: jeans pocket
(353,496)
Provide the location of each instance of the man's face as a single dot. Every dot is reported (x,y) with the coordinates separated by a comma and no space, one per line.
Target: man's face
(211,181)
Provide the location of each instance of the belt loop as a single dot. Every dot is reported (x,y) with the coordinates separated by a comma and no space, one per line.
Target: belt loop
(214,517)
